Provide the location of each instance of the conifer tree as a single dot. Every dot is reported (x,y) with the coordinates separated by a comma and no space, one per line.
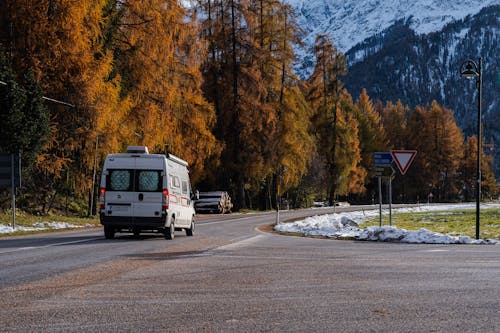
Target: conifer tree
(394,121)
(158,57)
(468,172)
(337,129)
(372,135)
(249,80)
(131,71)
(286,146)
(24,118)
(60,41)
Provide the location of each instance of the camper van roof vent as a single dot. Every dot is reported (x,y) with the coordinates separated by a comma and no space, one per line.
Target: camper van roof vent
(137,150)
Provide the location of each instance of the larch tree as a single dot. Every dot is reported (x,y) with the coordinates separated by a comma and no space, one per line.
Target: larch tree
(372,135)
(351,173)
(295,141)
(227,67)
(287,144)
(433,132)
(336,127)
(249,80)
(158,57)
(468,172)
(60,42)
(394,121)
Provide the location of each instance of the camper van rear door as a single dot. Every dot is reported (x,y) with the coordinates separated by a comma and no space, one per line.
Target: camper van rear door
(119,195)
(149,187)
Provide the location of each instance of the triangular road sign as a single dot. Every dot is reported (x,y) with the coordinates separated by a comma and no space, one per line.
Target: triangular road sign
(403,159)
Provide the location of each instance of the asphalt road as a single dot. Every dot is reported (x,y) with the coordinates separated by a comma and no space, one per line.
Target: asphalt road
(231,277)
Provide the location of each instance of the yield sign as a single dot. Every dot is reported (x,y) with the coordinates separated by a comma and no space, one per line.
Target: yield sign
(403,159)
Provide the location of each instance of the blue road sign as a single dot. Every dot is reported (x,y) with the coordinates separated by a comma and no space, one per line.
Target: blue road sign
(382,158)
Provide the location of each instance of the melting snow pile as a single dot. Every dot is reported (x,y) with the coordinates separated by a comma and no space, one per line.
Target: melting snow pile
(39,226)
(346,226)
(392,234)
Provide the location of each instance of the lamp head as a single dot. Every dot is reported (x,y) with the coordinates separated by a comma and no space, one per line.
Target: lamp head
(469,70)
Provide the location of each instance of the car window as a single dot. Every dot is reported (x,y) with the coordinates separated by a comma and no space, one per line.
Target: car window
(119,180)
(148,180)
(175,182)
(184,187)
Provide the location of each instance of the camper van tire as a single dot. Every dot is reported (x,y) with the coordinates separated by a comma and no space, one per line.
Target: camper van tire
(109,232)
(170,231)
(190,230)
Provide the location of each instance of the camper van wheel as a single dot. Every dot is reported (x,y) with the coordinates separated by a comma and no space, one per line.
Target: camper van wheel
(190,230)
(109,232)
(170,232)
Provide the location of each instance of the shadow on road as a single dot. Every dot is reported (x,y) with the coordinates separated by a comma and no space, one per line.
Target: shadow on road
(167,255)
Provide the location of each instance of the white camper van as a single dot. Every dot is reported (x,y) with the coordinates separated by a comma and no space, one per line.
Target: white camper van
(145,192)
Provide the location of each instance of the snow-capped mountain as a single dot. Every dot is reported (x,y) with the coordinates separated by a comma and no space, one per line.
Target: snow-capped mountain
(413,52)
(350,22)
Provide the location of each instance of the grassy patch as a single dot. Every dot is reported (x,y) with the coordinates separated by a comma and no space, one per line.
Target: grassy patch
(24,219)
(453,222)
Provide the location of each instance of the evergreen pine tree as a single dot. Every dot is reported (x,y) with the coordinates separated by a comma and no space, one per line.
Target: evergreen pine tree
(24,118)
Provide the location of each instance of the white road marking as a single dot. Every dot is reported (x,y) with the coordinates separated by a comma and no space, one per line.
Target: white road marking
(224,221)
(436,250)
(243,243)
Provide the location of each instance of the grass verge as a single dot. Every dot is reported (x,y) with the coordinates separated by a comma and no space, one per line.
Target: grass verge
(24,219)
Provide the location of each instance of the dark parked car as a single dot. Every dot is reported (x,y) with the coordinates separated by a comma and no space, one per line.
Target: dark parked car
(213,202)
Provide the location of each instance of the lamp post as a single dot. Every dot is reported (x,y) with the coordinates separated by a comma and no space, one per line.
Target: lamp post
(471,70)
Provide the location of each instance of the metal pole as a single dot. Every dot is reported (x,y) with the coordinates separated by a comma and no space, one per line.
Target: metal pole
(390,201)
(13,190)
(92,198)
(277,198)
(478,187)
(379,201)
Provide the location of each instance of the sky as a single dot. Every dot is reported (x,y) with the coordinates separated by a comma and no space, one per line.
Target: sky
(350,226)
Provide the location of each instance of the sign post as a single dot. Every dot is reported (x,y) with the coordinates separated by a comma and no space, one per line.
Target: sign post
(379,201)
(390,201)
(383,168)
(13,191)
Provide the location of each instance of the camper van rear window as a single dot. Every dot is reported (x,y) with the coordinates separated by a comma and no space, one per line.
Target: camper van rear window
(148,181)
(134,180)
(119,180)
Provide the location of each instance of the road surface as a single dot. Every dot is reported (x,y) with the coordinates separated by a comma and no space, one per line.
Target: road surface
(232,277)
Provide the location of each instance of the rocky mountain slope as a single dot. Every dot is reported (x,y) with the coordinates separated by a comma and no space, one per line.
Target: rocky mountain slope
(413,53)
(416,69)
(350,22)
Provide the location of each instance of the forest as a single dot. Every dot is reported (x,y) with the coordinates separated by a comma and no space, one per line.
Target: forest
(213,84)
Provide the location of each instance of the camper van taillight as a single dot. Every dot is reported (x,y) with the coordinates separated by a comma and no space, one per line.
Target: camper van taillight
(102,192)
(164,200)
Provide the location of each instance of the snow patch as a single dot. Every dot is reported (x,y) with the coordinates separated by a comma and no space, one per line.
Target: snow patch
(40,226)
(347,225)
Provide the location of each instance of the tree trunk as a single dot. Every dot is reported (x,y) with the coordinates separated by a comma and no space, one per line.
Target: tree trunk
(236,114)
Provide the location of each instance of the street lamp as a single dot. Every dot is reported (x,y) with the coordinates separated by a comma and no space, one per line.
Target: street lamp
(471,70)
